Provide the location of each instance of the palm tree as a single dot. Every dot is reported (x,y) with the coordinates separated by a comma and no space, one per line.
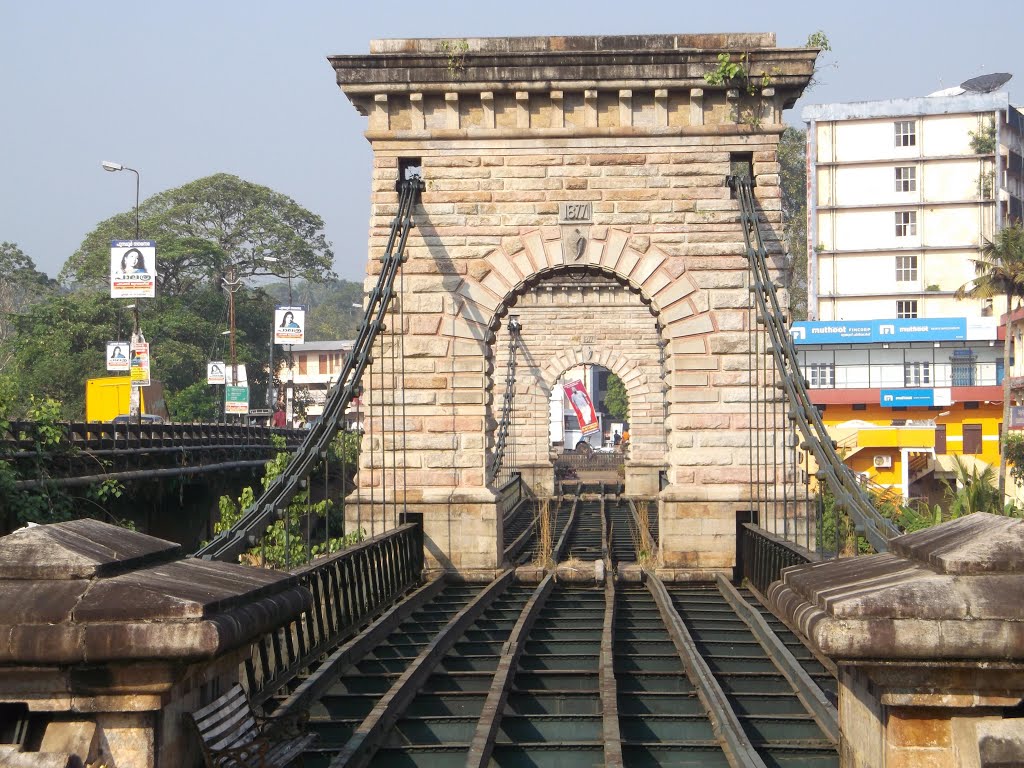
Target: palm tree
(1000,272)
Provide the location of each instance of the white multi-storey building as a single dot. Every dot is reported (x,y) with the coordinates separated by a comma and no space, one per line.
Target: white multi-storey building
(902,195)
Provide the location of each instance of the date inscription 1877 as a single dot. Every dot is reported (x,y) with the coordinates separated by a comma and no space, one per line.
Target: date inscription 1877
(575,213)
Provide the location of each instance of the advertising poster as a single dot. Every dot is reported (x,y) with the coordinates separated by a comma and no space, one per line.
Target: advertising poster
(236,400)
(140,364)
(289,325)
(581,403)
(132,269)
(215,372)
(117,356)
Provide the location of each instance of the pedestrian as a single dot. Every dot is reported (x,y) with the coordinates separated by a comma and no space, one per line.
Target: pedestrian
(278,419)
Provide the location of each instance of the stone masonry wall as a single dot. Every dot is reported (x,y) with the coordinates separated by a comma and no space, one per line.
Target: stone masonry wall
(664,235)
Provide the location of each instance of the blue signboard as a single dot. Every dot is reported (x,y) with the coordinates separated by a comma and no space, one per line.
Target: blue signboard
(892,398)
(875,331)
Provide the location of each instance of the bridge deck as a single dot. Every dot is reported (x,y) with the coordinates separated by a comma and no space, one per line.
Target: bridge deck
(513,674)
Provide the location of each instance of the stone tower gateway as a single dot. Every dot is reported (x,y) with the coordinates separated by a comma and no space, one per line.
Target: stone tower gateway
(578,183)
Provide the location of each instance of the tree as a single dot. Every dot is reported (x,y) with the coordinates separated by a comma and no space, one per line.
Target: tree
(793,172)
(1000,272)
(335,306)
(204,227)
(21,285)
(615,399)
(972,491)
(60,342)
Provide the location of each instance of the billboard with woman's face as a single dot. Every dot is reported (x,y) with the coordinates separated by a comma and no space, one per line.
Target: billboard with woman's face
(132,269)
(289,325)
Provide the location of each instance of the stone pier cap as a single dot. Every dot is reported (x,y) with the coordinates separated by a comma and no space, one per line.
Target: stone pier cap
(569,63)
(952,592)
(88,592)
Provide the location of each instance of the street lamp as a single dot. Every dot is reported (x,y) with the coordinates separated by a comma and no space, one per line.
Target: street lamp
(113,168)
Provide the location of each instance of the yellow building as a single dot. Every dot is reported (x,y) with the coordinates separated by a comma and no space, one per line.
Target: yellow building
(902,397)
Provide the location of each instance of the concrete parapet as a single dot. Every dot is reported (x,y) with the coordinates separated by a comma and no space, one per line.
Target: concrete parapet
(928,638)
(115,627)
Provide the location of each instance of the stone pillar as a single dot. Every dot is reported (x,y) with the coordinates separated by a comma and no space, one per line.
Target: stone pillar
(929,642)
(108,637)
(584,188)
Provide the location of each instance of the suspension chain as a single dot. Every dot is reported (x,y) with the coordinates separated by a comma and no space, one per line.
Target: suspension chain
(274,501)
(849,496)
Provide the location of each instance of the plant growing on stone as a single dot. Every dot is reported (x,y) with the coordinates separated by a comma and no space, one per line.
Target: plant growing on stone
(456,51)
(984,141)
(642,535)
(545,535)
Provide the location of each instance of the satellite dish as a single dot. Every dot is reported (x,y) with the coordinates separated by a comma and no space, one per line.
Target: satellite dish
(986,83)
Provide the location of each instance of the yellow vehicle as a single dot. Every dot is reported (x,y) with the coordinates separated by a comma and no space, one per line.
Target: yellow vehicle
(108,397)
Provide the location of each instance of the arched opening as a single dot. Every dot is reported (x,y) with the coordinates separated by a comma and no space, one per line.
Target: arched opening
(581,326)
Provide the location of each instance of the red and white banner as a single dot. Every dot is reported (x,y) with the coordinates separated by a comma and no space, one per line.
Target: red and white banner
(581,403)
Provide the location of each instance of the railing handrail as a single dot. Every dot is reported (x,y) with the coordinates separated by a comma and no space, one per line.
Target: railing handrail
(350,551)
(347,588)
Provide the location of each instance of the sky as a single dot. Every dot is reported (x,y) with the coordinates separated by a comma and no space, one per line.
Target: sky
(187,89)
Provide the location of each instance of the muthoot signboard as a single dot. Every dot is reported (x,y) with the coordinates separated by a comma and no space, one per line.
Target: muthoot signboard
(132,269)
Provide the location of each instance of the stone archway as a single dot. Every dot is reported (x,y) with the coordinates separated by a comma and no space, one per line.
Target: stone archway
(570,319)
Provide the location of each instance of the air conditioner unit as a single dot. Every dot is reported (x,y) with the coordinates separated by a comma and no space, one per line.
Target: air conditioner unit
(882,461)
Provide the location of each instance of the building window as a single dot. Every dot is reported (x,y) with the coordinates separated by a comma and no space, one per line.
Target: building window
(917,374)
(822,375)
(907,308)
(322,364)
(906,179)
(906,223)
(906,269)
(302,365)
(906,133)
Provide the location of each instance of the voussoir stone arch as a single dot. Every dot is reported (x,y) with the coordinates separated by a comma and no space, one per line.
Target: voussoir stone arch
(519,261)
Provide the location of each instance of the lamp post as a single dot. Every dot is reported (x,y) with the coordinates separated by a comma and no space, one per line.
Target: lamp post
(134,403)
(113,168)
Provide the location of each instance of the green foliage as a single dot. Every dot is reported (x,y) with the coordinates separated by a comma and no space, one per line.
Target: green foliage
(196,402)
(736,73)
(818,40)
(973,490)
(987,185)
(60,343)
(999,271)
(21,285)
(1013,450)
(284,542)
(205,226)
(616,400)
(984,141)
(456,51)
(727,71)
(331,312)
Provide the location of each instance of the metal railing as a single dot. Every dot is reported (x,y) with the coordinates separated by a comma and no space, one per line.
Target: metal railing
(21,438)
(348,587)
(763,555)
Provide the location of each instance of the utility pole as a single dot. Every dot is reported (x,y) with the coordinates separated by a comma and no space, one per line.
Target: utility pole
(232,284)
(135,400)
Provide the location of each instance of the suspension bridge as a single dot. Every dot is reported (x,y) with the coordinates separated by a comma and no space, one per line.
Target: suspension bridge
(541,204)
